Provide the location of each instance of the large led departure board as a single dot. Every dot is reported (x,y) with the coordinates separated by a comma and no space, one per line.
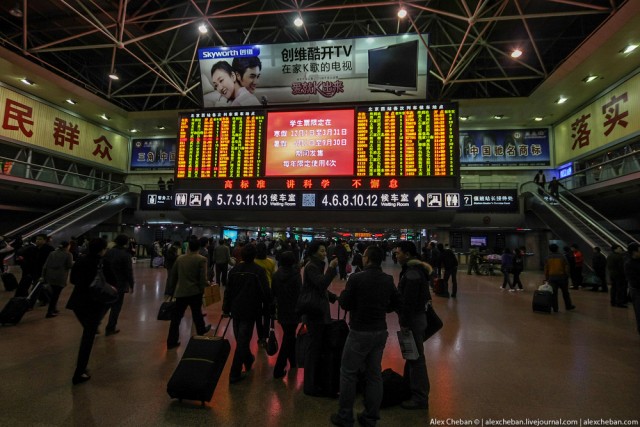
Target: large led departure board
(366,147)
(406,141)
(369,157)
(221,145)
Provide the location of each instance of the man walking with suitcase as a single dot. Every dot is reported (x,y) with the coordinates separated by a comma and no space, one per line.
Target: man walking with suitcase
(187,282)
(556,272)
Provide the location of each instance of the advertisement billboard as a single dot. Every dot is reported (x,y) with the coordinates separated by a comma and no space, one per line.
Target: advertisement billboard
(506,147)
(315,72)
(153,154)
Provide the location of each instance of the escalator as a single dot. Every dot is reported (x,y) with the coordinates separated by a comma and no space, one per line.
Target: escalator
(572,220)
(80,216)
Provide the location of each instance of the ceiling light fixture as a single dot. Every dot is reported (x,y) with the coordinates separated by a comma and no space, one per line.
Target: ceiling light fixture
(499,116)
(517,53)
(16,11)
(590,78)
(133,130)
(464,118)
(27,81)
(71,101)
(630,48)
(203,28)
(113,75)
(161,127)
(298,22)
(402,13)
(561,100)
(105,117)
(538,119)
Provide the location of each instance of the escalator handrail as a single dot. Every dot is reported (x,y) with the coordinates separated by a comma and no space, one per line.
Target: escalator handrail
(586,210)
(33,224)
(121,189)
(84,214)
(533,191)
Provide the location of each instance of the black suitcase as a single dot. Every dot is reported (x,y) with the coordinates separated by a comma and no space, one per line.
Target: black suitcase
(542,301)
(395,388)
(16,307)
(10,281)
(200,367)
(335,337)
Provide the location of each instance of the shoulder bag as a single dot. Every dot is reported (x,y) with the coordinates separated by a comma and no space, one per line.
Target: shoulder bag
(434,323)
(272,341)
(310,302)
(167,308)
(101,291)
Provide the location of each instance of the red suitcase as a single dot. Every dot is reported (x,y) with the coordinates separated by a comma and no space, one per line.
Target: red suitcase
(439,287)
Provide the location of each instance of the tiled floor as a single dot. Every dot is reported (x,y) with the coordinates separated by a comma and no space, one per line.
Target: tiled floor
(494,359)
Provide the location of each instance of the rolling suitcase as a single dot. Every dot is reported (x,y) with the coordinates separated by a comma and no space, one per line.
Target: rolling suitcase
(199,370)
(542,301)
(16,307)
(335,337)
(439,288)
(10,281)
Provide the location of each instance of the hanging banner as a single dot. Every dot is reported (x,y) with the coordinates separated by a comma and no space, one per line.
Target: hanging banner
(612,118)
(26,120)
(513,147)
(390,68)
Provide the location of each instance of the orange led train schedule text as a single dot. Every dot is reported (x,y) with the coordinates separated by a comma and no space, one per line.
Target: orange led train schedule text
(406,141)
(221,145)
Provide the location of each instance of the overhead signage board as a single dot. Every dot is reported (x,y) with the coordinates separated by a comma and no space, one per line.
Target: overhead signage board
(153,154)
(374,146)
(307,73)
(156,200)
(426,200)
(507,148)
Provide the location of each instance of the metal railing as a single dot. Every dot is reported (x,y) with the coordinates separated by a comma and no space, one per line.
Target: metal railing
(610,169)
(45,174)
(580,217)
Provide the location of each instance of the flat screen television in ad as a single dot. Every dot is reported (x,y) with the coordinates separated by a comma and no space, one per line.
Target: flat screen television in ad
(394,68)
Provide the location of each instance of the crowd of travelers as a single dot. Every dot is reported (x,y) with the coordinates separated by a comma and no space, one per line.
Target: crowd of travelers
(264,280)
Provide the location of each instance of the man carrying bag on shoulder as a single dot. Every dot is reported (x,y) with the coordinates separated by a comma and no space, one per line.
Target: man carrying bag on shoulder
(414,290)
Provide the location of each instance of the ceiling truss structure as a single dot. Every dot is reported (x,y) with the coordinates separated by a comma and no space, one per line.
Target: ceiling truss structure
(152,44)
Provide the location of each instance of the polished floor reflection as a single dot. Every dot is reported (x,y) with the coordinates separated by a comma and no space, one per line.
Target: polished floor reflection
(494,359)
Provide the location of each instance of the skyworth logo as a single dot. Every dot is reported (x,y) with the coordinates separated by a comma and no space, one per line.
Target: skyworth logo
(228,52)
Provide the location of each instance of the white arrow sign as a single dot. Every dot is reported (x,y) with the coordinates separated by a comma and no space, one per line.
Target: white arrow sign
(207,199)
(419,199)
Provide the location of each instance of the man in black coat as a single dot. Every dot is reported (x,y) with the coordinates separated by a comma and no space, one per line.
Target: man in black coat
(449,262)
(599,265)
(246,294)
(414,290)
(368,296)
(118,270)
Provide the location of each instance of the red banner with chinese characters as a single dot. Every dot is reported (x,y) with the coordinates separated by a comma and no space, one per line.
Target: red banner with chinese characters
(613,118)
(28,121)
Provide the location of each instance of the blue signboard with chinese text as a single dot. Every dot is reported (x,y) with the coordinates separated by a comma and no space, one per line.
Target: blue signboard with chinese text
(153,154)
(513,147)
